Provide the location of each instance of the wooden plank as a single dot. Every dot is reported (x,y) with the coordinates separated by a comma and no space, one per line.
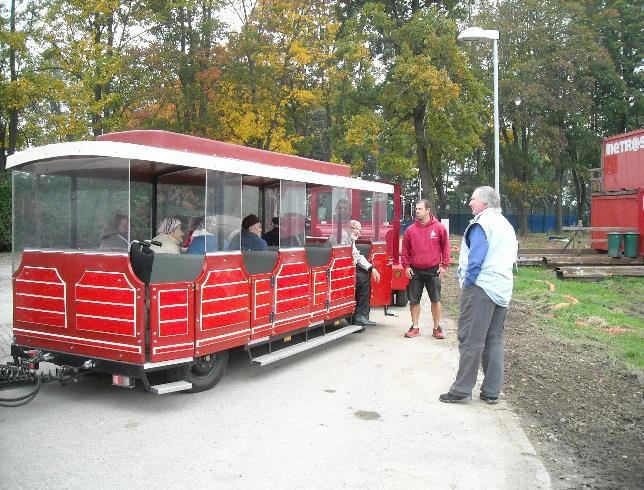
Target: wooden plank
(562,260)
(599,272)
(599,228)
(543,251)
(532,261)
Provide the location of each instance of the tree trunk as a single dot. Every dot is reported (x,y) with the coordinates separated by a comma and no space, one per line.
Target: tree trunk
(421,154)
(96,116)
(439,185)
(580,193)
(522,218)
(327,142)
(558,206)
(13,113)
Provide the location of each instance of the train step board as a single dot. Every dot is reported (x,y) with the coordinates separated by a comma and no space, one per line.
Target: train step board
(303,346)
(170,387)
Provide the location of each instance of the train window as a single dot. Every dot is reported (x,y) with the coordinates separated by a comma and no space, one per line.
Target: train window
(340,230)
(271,206)
(181,195)
(380,221)
(71,204)
(324,208)
(366,204)
(224,208)
(251,201)
(292,214)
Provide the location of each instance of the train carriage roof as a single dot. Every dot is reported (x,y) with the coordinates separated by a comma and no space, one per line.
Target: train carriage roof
(156,153)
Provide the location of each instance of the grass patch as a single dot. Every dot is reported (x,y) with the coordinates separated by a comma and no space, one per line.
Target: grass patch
(609,313)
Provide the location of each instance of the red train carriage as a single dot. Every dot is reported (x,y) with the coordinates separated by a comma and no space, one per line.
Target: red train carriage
(89,292)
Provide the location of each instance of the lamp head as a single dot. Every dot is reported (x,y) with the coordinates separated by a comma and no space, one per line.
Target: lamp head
(478,34)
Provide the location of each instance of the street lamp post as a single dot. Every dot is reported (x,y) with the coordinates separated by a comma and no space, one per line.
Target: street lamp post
(478,34)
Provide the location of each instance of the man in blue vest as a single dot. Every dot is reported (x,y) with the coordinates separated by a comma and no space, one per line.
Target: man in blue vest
(488,254)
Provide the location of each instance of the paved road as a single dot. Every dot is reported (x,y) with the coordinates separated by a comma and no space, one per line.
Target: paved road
(359,413)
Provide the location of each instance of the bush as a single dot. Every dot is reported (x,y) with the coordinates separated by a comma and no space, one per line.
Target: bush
(5,211)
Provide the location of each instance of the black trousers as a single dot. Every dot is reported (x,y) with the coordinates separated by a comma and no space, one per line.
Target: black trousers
(363,292)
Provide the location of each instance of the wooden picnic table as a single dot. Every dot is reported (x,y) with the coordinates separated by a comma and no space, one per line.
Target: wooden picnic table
(576,237)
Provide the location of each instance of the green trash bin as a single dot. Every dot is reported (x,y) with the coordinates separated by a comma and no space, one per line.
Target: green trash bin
(631,244)
(614,244)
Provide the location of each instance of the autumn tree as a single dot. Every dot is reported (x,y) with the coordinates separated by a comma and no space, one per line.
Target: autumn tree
(427,88)
(274,72)
(180,60)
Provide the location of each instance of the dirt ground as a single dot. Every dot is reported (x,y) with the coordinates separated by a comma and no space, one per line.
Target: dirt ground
(582,413)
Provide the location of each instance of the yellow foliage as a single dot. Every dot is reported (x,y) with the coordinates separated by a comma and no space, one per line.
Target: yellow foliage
(304,96)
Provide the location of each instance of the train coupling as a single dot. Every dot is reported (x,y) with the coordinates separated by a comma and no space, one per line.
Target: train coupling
(23,373)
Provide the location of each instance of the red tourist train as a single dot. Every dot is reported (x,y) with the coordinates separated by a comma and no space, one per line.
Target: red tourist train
(89,293)
(617,200)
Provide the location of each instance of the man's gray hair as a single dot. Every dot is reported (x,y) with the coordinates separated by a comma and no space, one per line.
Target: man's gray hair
(488,196)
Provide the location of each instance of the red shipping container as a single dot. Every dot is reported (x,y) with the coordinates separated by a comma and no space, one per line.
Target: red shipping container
(623,161)
(618,210)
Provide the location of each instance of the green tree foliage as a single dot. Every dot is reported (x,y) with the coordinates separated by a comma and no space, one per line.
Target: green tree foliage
(178,63)
(427,87)
(275,75)
(551,65)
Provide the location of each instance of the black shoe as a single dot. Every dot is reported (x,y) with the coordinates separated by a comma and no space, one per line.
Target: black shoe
(490,400)
(361,320)
(449,398)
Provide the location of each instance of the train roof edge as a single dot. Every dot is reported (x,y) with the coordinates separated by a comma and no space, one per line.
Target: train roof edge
(195,144)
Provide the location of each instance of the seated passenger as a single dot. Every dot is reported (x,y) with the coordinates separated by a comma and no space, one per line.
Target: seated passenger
(170,234)
(341,234)
(272,237)
(251,234)
(202,240)
(195,223)
(114,235)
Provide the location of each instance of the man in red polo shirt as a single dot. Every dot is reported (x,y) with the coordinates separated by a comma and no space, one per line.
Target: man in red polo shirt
(425,257)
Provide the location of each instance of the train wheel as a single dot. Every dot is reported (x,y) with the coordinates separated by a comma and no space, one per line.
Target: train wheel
(206,371)
(401,298)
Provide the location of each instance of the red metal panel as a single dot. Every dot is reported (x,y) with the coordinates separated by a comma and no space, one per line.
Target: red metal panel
(292,293)
(399,280)
(112,326)
(261,306)
(623,161)
(171,321)
(222,304)
(380,291)
(40,303)
(83,303)
(23,314)
(39,297)
(319,293)
(115,311)
(623,210)
(342,283)
(39,289)
(97,311)
(115,295)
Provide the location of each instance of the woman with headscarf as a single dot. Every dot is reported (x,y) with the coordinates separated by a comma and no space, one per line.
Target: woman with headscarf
(170,235)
